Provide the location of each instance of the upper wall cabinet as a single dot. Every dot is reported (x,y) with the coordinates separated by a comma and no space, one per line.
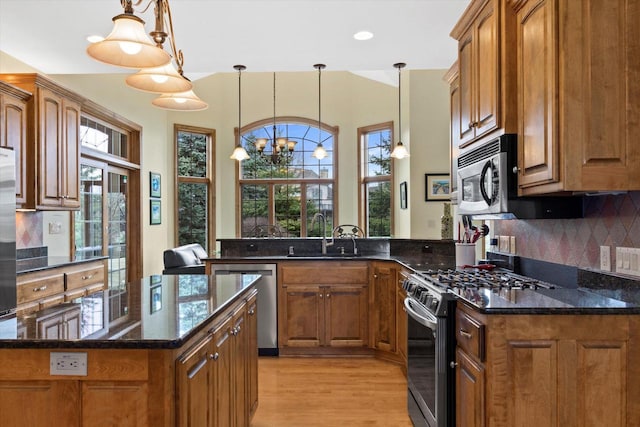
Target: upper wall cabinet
(54,135)
(578,94)
(486,72)
(13,134)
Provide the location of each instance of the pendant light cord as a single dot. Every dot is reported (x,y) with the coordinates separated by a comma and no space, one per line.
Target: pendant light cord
(273,143)
(399,104)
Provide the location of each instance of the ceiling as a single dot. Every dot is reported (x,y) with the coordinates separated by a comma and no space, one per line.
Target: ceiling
(264,35)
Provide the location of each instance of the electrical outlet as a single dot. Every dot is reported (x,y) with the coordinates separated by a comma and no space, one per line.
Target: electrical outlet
(55,228)
(512,245)
(605,258)
(68,364)
(628,261)
(504,244)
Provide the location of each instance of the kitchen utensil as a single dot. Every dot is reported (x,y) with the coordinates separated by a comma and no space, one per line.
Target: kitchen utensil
(488,267)
(484,230)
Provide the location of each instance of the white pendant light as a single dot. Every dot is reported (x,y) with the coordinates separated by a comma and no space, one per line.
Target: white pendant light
(239,153)
(400,151)
(181,101)
(319,153)
(128,45)
(163,79)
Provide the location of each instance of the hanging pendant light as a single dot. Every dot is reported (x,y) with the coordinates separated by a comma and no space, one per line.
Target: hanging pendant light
(319,153)
(400,151)
(239,153)
(163,79)
(180,101)
(128,45)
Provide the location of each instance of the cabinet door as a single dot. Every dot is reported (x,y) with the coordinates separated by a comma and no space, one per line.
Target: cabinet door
(303,315)
(32,403)
(469,391)
(383,307)
(252,354)
(346,315)
(195,386)
(537,104)
(50,328)
(239,383)
(50,133)
(115,403)
(486,72)
(70,155)
(466,115)
(72,324)
(14,135)
(223,374)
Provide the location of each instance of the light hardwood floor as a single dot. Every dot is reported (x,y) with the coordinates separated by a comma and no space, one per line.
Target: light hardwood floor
(327,392)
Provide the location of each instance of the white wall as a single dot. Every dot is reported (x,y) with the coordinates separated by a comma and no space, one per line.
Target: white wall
(348,101)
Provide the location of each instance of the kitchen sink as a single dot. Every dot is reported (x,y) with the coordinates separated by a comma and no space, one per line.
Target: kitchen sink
(331,255)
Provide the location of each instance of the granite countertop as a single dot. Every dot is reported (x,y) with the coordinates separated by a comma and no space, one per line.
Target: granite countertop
(165,312)
(29,265)
(545,301)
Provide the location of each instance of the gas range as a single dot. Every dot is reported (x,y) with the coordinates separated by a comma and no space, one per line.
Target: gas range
(475,285)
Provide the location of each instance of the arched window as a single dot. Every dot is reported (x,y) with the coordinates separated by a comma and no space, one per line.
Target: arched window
(282,189)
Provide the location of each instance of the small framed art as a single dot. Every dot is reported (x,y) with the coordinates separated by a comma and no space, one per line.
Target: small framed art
(403,195)
(437,187)
(155,189)
(155,209)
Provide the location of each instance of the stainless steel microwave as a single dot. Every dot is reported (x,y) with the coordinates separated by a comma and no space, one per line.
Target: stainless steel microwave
(487,183)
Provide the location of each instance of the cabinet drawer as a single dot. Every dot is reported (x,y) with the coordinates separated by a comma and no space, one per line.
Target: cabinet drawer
(329,273)
(37,287)
(470,334)
(89,275)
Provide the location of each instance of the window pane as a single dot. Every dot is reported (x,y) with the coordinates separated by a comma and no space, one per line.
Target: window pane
(378,198)
(102,138)
(88,220)
(192,213)
(192,154)
(117,220)
(378,150)
(319,200)
(255,208)
(287,208)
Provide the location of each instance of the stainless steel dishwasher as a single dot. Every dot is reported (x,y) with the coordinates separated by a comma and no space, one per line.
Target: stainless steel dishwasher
(267,302)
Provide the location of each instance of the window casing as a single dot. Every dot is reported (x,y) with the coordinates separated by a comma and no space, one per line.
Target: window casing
(279,195)
(195,215)
(375,169)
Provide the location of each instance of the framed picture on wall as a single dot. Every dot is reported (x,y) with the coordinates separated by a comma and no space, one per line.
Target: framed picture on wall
(403,195)
(154,184)
(155,216)
(437,187)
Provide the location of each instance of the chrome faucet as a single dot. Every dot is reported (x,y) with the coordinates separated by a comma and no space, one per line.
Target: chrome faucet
(324,231)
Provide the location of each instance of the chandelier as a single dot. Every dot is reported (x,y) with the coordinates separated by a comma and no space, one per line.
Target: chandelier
(279,150)
(129,46)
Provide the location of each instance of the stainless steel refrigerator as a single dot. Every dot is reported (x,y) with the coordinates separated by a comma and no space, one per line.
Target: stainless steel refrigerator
(7,231)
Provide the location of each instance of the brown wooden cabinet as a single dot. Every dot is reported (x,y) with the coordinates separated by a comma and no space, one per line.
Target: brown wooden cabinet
(50,287)
(486,82)
(53,139)
(59,323)
(402,319)
(569,370)
(577,76)
(322,304)
(252,355)
(383,305)
(13,134)
(216,378)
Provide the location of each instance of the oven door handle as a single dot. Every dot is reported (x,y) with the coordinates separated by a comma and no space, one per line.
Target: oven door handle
(425,319)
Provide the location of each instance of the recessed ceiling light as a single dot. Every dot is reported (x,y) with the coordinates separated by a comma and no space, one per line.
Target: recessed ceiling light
(363,35)
(95,39)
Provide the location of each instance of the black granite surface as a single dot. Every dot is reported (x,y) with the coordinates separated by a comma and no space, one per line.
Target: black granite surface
(156,312)
(29,265)
(545,301)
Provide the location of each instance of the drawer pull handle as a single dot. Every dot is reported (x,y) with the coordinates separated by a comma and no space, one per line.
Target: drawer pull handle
(465,334)
(87,277)
(252,312)
(40,289)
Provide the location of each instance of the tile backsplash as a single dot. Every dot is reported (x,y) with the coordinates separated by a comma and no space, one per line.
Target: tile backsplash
(611,220)
(29,230)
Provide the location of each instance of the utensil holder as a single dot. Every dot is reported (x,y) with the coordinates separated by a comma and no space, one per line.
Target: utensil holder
(465,254)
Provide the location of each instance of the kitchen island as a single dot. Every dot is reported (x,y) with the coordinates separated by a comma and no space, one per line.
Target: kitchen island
(162,351)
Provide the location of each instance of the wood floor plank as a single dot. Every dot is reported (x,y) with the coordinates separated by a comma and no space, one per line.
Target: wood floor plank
(327,392)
